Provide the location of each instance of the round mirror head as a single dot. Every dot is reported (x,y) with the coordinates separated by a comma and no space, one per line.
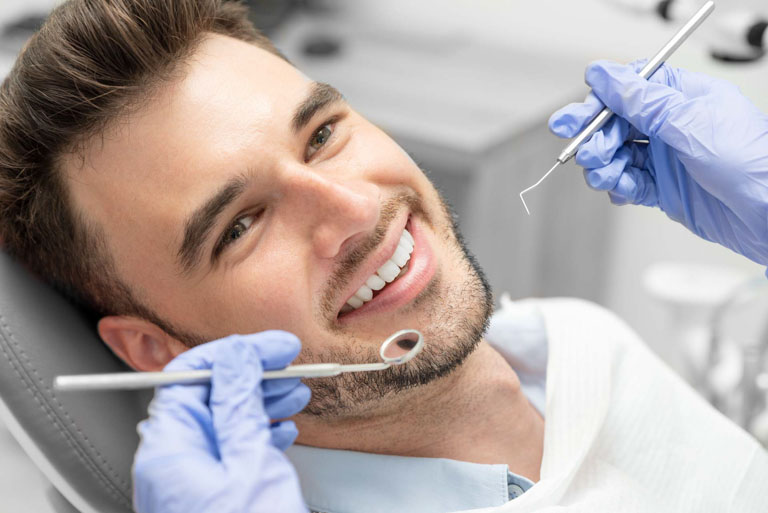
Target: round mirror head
(401,346)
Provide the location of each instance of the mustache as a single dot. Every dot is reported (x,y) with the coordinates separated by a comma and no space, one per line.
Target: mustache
(356,256)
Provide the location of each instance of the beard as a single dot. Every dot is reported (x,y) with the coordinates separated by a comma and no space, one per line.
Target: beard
(458,316)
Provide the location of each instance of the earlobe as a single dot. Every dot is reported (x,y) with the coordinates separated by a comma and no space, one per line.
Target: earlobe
(139,343)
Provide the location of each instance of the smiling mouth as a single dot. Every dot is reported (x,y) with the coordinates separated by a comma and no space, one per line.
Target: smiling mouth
(388,273)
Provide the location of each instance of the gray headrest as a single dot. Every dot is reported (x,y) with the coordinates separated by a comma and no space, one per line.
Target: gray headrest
(83,441)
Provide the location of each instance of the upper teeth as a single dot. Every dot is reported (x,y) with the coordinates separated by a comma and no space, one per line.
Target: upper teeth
(386,273)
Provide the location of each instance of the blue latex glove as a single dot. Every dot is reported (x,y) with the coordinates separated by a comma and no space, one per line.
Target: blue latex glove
(212,448)
(707,162)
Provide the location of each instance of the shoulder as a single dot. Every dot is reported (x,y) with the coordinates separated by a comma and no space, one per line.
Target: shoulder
(529,331)
(575,320)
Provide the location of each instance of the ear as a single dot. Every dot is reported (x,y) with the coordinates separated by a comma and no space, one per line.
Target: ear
(139,343)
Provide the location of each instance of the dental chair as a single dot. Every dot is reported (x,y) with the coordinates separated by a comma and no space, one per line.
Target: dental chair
(83,442)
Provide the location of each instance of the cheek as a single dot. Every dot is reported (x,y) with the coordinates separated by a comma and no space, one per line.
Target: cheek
(383,160)
(266,294)
(396,167)
(274,287)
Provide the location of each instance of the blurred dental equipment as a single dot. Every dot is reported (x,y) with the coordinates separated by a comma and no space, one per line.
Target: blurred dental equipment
(735,35)
(649,69)
(691,293)
(397,349)
(715,318)
(736,379)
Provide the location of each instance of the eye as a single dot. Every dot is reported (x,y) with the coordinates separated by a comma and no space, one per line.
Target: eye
(236,230)
(318,139)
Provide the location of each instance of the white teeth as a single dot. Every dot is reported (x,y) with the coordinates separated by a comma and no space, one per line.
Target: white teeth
(375,283)
(400,257)
(365,293)
(355,302)
(387,273)
(406,241)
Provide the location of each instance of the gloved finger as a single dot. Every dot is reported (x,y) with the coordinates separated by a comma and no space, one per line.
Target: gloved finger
(165,463)
(284,434)
(240,423)
(635,186)
(645,104)
(160,483)
(287,405)
(639,155)
(276,348)
(182,432)
(617,199)
(694,84)
(571,119)
(180,413)
(600,149)
(606,177)
(278,387)
(197,358)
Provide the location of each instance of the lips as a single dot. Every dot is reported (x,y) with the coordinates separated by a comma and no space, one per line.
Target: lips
(412,279)
(396,266)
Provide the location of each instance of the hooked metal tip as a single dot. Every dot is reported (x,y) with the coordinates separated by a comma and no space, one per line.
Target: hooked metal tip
(524,204)
(536,185)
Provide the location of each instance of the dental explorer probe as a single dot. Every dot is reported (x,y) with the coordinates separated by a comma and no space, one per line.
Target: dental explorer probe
(649,69)
(396,349)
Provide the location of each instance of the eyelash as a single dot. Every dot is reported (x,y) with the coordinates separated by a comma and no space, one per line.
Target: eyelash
(328,123)
(223,242)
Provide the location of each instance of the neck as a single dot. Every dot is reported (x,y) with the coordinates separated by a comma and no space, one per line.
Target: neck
(477,414)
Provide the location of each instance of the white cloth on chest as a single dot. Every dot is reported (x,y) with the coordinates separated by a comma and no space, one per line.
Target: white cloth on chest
(624,433)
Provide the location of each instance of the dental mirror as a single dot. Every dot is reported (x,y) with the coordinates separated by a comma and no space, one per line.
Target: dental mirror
(399,348)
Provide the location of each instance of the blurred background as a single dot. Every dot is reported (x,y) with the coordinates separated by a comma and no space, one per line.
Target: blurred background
(466,87)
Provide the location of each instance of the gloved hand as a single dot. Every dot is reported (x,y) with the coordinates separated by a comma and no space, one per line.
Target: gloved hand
(212,448)
(707,162)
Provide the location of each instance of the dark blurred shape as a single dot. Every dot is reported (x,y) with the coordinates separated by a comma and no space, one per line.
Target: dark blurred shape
(753,34)
(23,27)
(321,45)
(320,6)
(663,9)
(267,15)
(756,34)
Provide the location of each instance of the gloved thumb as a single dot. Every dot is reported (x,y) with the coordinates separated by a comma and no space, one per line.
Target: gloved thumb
(647,105)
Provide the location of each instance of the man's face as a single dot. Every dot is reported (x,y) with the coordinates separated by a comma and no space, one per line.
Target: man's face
(245,197)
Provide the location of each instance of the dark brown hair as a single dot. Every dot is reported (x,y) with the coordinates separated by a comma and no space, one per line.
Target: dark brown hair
(90,62)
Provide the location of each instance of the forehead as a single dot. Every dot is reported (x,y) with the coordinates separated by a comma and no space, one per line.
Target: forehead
(230,109)
(230,93)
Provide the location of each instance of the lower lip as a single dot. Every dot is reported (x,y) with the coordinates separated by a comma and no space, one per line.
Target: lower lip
(421,269)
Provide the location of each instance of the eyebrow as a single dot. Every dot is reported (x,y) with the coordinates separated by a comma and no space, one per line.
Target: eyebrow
(197,228)
(321,96)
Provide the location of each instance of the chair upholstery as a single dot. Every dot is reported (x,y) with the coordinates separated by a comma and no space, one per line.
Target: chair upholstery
(83,441)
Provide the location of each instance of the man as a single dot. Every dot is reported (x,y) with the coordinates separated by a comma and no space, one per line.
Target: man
(165,166)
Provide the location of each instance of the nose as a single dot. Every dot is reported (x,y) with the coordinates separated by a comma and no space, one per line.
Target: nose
(333,209)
